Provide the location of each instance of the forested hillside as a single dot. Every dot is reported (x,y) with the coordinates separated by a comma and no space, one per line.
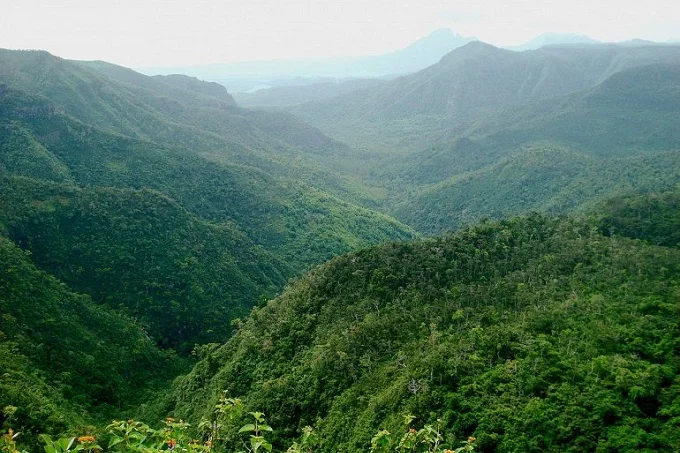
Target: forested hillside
(139,250)
(540,177)
(140,221)
(490,133)
(530,334)
(150,224)
(141,215)
(559,155)
(178,112)
(467,84)
(65,359)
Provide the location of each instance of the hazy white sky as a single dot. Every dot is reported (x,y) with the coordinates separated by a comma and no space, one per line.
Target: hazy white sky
(181,32)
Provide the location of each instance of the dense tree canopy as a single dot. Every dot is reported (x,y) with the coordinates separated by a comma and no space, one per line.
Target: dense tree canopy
(531,334)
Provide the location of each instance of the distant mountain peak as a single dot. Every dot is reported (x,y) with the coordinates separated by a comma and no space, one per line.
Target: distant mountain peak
(444,33)
(422,53)
(551,39)
(479,45)
(473,48)
(439,38)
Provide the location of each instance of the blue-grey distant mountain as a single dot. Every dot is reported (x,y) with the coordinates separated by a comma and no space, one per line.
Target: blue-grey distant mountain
(550,39)
(578,40)
(417,56)
(243,76)
(467,84)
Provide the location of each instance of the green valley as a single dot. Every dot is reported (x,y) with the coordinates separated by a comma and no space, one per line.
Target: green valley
(485,249)
(488,133)
(147,228)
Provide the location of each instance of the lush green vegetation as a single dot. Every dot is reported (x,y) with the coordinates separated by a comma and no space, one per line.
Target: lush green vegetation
(178,112)
(145,216)
(530,334)
(515,134)
(654,218)
(132,436)
(182,277)
(183,242)
(468,84)
(540,177)
(148,212)
(64,358)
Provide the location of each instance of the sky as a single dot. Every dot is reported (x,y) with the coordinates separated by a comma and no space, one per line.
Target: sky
(148,33)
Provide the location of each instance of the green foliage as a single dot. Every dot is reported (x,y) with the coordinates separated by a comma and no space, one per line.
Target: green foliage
(133,436)
(307,442)
(173,112)
(141,251)
(488,133)
(427,439)
(541,178)
(8,442)
(130,192)
(156,213)
(654,218)
(67,444)
(62,355)
(471,83)
(142,211)
(257,430)
(227,412)
(63,445)
(529,334)
(555,156)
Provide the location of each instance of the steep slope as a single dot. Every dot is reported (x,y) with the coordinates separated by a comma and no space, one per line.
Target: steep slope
(631,112)
(555,156)
(142,212)
(654,218)
(466,84)
(182,277)
(541,178)
(530,334)
(179,112)
(277,214)
(183,241)
(64,359)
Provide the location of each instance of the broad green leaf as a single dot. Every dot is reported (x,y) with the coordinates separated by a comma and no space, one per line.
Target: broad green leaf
(247,428)
(115,440)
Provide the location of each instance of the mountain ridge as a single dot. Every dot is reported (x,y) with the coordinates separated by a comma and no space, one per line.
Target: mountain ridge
(470,82)
(281,225)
